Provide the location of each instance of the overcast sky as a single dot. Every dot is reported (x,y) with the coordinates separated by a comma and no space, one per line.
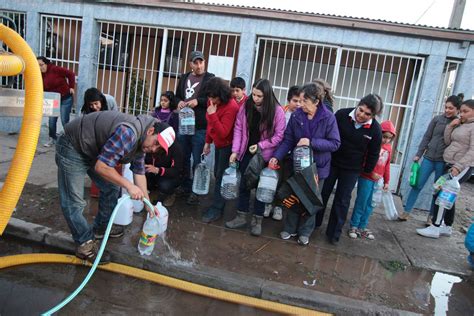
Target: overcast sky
(426,12)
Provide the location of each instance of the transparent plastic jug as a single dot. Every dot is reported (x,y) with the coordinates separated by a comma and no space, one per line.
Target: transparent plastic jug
(389,206)
(187,121)
(302,158)
(202,178)
(448,194)
(267,185)
(377,195)
(230,182)
(150,230)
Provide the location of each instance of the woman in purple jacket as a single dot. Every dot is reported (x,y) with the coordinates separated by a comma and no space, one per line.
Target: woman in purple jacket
(311,125)
(260,124)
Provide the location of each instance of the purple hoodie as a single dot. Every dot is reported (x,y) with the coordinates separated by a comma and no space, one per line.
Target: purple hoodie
(267,145)
(322,131)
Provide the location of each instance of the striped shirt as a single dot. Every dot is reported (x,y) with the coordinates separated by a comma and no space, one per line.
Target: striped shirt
(118,146)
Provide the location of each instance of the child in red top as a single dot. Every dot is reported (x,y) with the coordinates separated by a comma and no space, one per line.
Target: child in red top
(237,85)
(366,184)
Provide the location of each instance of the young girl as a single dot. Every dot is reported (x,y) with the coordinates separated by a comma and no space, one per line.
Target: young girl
(459,157)
(165,112)
(366,183)
(259,124)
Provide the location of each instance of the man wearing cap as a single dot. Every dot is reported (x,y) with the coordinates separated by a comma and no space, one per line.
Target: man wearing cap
(95,144)
(190,92)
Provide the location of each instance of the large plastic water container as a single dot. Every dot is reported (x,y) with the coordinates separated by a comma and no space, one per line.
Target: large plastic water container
(124,214)
(150,230)
(128,174)
(187,121)
(302,158)
(267,185)
(230,182)
(162,218)
(448,194)
(202,178)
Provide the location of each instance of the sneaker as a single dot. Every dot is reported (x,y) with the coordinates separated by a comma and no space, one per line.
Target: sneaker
(89,250)
(353,233)
(50,142)
(211,215)
(446,231)
(431,231)
(285,235)
(193,199)
(404,216)
(268,210)
(367,234)
(303,240)
(115,232)
(277,213)
(169,200)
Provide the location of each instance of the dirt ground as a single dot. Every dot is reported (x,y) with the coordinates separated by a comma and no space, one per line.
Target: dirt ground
(465,207)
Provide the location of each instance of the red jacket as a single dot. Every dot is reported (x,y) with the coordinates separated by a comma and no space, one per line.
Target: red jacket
(220,125)
(382,168)
(54,80)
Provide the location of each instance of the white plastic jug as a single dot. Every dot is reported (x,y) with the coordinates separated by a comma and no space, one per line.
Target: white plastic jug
(267,185)
(128,174)
(162,218)
(230,182)
(202,178)
(124,214)
(448,194)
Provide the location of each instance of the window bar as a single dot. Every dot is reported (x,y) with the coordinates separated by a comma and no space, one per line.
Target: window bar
(226,45)
(382,73)
(321,61)
(375,73)
(270,60)
(299,61)
(147,74)
(315,48)
(361,65)
(162,63)
(389,79)
(326,77)
(367,73)
(132,61)
(306,63)
(119,68)
(354,55)
(139,69)
(398,79)
(276,64)
(261,43)
(112,54)
(283,70)
(344,75)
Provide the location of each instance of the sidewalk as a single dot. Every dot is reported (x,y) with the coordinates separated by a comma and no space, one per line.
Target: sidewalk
(391,274)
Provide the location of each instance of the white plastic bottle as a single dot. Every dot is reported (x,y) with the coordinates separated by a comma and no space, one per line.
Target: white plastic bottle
(162,218)
(448,194)
(187,121)
(267,185)
(128,174)
(147,240)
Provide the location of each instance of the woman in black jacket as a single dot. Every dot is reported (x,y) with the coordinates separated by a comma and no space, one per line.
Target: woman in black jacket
(361,138)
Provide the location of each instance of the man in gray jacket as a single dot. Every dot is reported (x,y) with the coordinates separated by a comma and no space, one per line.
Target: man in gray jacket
(94,144)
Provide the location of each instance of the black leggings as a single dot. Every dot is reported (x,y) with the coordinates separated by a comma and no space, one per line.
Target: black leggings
(447,215)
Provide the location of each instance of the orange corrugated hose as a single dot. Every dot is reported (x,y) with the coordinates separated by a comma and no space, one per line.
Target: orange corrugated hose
(31,123)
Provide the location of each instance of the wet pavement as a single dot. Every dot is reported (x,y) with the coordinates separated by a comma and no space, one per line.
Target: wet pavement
(32,289)
(399,270)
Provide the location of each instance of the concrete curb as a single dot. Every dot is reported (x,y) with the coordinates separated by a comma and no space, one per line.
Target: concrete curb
(212,277)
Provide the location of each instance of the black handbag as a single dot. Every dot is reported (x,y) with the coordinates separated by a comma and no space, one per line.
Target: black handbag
(252,173)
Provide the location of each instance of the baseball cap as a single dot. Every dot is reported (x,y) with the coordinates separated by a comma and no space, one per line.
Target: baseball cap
(196,55)
(166,136)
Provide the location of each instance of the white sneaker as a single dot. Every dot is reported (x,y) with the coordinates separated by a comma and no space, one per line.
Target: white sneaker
(268,210)
(445,230)
(430,231)
(49,143)
(277,213)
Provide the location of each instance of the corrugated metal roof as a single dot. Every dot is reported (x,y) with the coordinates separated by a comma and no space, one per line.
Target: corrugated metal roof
(334,16)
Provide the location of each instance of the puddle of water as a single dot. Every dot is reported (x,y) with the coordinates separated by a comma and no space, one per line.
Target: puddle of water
(441,287)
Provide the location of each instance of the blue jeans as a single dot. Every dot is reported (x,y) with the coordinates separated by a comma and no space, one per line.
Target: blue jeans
(363,203)
(191,144)
(72,168)
(426,168)
(65,112)
(243,204)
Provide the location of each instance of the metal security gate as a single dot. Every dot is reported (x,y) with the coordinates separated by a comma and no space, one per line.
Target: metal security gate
(60,40)
(450,72)
(17,22)
(137,63)
(352,73)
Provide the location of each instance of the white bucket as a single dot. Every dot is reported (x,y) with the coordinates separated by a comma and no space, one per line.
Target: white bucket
(124,214)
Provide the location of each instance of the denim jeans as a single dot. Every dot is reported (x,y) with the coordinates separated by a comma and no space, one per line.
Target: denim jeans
(301,225)
(221,163)
(72,168)
(243,203)
(426,168)
(192,145)
(469,242)
(346,180)
(363,203)
(65,112)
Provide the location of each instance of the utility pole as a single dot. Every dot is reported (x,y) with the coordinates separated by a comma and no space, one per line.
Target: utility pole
(457,13)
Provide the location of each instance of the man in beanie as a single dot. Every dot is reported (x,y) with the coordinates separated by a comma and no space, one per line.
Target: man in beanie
(190,93)
(94,144)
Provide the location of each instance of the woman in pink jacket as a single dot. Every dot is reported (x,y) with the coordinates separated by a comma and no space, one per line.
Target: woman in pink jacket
(260,124)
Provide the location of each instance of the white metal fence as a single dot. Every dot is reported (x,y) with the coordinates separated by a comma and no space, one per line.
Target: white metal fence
(17,22)
(450,72)
(137,63)
(60,39)
(353,73)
